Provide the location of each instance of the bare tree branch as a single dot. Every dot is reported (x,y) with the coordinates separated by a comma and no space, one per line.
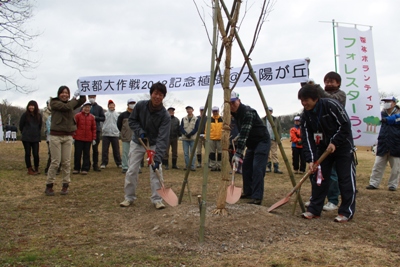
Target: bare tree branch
(16,43)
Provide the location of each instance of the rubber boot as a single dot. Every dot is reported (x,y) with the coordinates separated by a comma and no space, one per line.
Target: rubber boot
(174,164)
(49,190)
(276,168)
(31,171)
(165,163)
(64,190)
(198,160)
(268,167)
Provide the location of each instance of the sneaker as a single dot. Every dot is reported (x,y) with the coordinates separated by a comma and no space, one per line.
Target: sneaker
(307,204)
(329,207)
(159,205)
(125,203)
(371,187)
(341,219)
(84,172)
(392,188)
(102,166)
(75,172)
(309,215)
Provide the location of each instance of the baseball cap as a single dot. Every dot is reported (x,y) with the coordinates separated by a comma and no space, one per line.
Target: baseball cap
(189,107)
(234,96)
(297,118)
(86,103)
(389,98)
(131,100)
(171,108)
(215,108)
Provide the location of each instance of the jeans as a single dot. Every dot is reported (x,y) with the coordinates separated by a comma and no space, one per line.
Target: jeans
(188,145)
(333,192)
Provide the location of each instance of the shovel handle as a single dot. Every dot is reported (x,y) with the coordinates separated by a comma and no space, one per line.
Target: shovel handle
(298,185)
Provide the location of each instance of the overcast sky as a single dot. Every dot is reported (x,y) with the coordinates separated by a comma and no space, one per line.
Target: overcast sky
(98,37)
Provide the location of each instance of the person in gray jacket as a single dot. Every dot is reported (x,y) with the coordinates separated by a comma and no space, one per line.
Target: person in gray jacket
(150,122)
(110,136)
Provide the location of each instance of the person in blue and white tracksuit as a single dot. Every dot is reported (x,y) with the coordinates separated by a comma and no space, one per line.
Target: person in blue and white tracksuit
(326,125)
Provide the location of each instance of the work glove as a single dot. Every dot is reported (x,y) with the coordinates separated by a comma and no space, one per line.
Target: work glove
(142,136)
(77,93)
(235,161)
(94,142)
(155,166)
(384,120)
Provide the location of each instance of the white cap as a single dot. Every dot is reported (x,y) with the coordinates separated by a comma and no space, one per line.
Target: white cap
(130,100)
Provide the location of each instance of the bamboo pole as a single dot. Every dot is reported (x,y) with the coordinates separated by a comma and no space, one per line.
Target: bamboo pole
(203,207)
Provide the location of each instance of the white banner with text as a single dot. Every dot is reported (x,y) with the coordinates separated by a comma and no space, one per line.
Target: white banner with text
(282,72)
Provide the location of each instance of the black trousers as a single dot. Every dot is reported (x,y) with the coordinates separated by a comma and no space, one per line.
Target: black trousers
(114,141)
(173,144)
(96,150)
(346,172)
(298,159)
(31,147)
(82,151)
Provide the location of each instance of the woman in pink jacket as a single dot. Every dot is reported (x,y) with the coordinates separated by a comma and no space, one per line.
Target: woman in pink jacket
(84,137)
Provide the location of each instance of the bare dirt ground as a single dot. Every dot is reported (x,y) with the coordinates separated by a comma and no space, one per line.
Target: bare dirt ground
(88,228)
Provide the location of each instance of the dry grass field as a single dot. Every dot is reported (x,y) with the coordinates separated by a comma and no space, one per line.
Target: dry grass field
(88,228)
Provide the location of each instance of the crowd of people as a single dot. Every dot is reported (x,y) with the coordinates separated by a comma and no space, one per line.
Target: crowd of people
(147,126)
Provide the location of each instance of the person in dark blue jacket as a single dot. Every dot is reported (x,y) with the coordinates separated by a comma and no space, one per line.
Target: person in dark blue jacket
(388,148)
(326,126)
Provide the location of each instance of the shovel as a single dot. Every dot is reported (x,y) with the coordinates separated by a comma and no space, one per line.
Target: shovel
(286,199)
(233,192)
(165,193)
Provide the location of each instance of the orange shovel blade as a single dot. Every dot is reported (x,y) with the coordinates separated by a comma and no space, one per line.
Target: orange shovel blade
(233,194)
(168,195)
(279,203)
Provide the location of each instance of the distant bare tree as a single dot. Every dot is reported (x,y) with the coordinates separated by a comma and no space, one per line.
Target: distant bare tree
(16,43)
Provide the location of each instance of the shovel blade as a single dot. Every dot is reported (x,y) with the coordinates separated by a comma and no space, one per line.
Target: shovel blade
(168,196)
(233,194)
(279,203)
